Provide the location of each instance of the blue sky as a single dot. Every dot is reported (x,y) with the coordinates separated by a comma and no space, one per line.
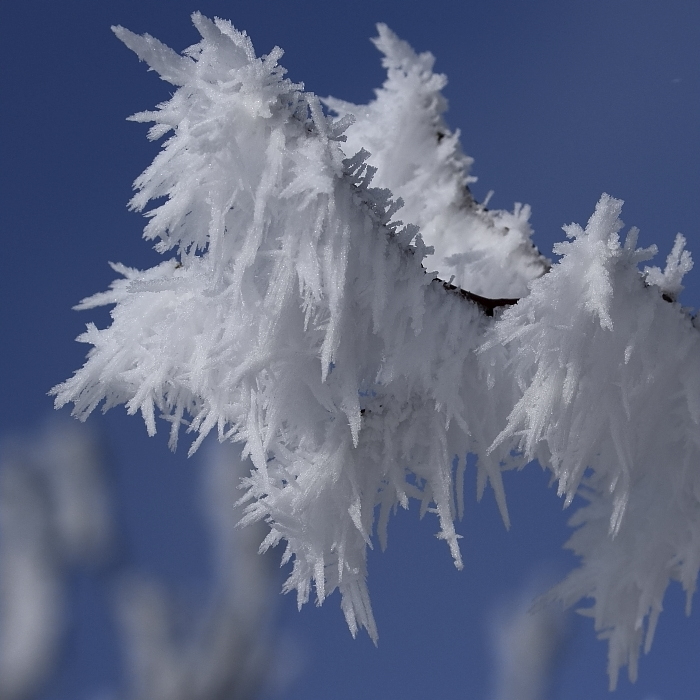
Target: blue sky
(556,101)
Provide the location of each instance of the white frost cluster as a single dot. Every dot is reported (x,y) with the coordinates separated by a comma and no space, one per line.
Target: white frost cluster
(297,318)
(306,326)
(610,379)
(418,158)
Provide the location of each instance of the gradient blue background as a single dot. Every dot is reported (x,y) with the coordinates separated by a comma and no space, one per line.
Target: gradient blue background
(557,101)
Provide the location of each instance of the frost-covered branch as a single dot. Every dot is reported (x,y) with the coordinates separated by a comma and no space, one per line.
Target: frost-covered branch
(418,158)
(610,380)
(297,317)
(305,307)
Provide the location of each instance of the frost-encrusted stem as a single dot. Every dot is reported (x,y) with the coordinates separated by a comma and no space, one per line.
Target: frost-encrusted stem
(297,303)
(298,319)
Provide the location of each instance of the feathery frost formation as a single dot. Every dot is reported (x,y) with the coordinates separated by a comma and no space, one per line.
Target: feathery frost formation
(610,378)
(297,318)
(420,160)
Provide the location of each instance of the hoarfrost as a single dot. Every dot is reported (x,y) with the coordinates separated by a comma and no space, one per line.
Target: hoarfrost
(296,317)
(610,374)
(420,160)
(53,515)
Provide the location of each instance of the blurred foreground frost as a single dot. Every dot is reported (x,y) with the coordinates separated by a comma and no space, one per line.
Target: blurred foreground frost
(227,651)
(55,515)
(528,643)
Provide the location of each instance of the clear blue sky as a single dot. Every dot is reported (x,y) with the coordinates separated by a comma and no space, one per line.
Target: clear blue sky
(557,101)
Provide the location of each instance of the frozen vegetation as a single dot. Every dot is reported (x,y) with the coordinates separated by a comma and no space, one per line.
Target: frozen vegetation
(358,359)
(57,520)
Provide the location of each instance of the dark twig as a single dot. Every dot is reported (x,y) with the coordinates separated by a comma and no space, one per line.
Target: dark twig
(487,305)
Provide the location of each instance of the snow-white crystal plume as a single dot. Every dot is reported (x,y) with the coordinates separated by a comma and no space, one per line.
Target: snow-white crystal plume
(489,252)
(610,377)
(297,318)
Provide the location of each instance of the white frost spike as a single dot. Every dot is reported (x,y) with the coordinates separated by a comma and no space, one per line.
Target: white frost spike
(610,381)
(678,264)
(420,160)
(297,320)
